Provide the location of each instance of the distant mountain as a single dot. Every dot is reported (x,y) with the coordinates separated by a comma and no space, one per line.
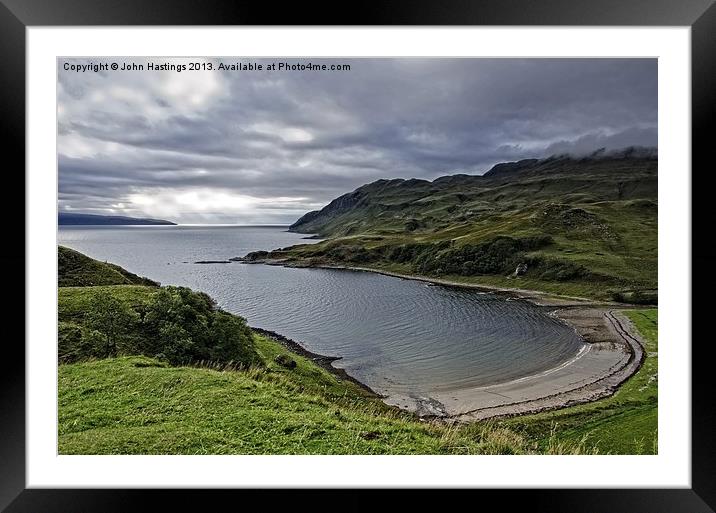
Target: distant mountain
(581,226)
(400,205)
(66,218)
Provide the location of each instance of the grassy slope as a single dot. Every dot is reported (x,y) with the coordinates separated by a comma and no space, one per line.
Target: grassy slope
(625,423)
(78,270)
(136,405)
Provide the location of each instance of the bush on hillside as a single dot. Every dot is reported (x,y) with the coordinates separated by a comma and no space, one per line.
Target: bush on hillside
(179,324)
(114,320)
(497,256)
(232,340)
(77,342)
(552,269)
(353,254)
(636,297)
(410,252)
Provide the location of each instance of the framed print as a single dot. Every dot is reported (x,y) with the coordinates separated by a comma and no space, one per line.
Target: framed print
(420,248)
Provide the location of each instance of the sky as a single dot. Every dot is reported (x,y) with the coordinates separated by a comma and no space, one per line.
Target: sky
(267,146)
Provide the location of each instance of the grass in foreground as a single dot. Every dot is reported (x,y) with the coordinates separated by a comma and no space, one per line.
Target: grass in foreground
(138,405)
(625,423)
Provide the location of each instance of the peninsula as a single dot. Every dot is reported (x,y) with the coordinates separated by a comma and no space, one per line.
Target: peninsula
(67,218)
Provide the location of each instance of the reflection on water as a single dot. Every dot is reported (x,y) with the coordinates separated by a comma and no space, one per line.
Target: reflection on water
(395,335)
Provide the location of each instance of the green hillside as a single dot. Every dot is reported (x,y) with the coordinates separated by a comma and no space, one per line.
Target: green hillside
(137,405)
(562,225)
(77,270)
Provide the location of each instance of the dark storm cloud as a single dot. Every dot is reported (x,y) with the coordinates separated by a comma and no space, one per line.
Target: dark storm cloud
(268,146)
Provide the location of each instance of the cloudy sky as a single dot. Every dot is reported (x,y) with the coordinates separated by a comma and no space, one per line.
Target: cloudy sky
(265,147)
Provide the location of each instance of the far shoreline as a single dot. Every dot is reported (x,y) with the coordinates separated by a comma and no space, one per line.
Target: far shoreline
(536,297)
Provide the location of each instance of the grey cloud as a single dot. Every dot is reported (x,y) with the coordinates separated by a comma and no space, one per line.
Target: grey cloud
(311,136)
(588,143)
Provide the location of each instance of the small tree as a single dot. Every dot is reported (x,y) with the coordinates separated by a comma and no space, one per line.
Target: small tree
(175,343)
(112,318)
(231,340)
(183,325)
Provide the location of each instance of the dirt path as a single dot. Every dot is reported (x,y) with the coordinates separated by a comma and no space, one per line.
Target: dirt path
(612,355)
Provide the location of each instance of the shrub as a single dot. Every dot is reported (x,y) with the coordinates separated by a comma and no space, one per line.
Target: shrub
(232,340)
(175,343)
(78,342)
(497,256)
(636,297)
(256,255)
(559,270)
(407,252)
(180,325)
(285,361)
(186,326)
(352,253)
(113,319)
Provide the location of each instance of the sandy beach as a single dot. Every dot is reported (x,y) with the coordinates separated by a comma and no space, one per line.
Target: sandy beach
(611,355)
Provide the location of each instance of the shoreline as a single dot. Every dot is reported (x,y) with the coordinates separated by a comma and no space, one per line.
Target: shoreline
(613,354)
(587,390)
(536,297)
(323,361)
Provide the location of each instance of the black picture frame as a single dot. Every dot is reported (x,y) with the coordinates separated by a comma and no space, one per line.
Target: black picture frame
(700,15)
